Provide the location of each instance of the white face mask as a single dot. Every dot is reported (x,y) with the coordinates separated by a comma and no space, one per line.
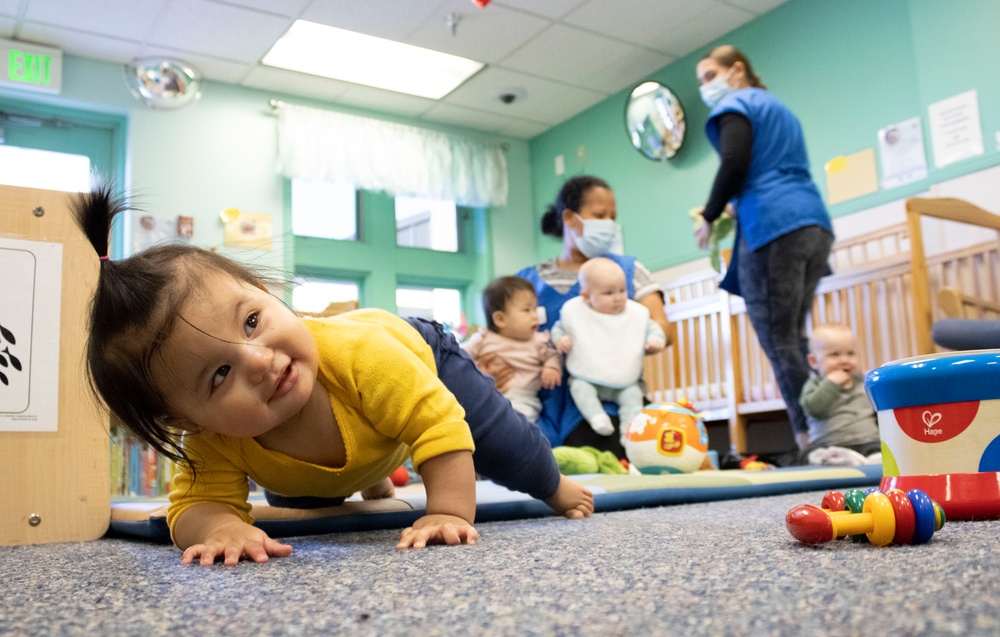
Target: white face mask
(600,237)
(715,89)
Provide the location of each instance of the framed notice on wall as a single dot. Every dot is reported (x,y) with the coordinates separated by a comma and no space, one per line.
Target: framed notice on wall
(30,294)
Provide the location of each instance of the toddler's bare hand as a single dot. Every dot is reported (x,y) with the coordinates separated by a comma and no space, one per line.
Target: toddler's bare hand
(655,346)
(564,345)
(232,544)
(437,529)
(839,377)
(551,377)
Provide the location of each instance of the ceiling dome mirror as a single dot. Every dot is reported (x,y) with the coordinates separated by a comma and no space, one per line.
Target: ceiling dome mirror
(654,119)
(162,83)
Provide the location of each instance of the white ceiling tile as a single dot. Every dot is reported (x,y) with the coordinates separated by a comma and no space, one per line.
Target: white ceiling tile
(669,27)
(637,21)
(549,8)
(216,29)
(385,101)
(570,55)
(392,19)
(523,129)
(83,44)
(621,72)
(122,18)
(565,55)
(467,117)
(756,6)
(543,101)
(211,68)
(716,20)
(290,8)
(485,35)
(288,82)
(9,7)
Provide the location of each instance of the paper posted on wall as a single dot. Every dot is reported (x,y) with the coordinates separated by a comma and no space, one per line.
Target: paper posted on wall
(902,154)
(956,129)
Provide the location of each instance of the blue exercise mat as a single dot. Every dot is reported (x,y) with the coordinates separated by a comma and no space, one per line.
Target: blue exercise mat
(146,519)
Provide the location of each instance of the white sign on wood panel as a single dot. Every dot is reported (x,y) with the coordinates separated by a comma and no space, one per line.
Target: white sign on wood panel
(30,295)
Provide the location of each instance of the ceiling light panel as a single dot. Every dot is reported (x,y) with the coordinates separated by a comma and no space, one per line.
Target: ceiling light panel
(317,49)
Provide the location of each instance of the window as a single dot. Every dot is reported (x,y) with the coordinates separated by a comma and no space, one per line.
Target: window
(30,168)
(443,305)
(427,223)
(324,209)
(314,295)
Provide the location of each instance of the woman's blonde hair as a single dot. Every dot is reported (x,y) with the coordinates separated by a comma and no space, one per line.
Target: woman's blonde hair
(727,55)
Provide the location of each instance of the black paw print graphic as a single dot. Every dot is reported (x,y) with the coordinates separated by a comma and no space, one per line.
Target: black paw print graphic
(7,360)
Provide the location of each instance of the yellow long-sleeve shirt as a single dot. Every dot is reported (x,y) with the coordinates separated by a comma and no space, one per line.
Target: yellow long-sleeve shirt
(388,403)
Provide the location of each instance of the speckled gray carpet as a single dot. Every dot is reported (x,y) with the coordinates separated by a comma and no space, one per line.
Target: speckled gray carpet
(717,568)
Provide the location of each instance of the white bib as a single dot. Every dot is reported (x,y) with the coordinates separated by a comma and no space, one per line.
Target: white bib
(607,348)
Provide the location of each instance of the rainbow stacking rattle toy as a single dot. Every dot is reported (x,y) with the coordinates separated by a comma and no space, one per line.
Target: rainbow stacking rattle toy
(893,517)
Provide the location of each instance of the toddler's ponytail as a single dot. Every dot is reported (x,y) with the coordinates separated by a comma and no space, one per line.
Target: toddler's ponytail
(94,211)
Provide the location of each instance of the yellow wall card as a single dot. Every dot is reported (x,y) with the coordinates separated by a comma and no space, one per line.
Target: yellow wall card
(850,176)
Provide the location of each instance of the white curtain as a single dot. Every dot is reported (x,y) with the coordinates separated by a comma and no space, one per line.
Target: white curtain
(378,155)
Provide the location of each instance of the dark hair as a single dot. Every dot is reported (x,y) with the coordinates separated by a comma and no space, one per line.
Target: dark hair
(135,306)
(727,55)
(571,196)
(499,292)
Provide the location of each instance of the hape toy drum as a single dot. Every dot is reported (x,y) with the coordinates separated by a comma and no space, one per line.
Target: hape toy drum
(939,422)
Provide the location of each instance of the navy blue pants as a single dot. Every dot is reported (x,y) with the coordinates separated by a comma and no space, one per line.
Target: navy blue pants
(509,450)
(778,282)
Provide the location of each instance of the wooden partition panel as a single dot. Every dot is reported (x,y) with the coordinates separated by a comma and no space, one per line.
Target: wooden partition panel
(55,486)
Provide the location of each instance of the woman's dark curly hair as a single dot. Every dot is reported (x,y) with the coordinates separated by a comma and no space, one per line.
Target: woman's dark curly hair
(571,196)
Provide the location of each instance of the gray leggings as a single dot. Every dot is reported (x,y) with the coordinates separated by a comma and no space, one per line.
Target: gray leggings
(778,282)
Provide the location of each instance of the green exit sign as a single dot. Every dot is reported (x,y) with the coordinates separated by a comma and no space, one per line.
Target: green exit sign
(30,67)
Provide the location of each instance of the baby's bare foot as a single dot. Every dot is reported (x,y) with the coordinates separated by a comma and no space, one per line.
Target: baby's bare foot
(572,499)
(379,490)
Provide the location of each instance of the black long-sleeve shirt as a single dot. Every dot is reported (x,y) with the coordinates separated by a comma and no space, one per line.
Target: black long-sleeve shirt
(735,144)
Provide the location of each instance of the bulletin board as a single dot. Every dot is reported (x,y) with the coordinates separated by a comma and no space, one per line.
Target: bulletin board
(54,453)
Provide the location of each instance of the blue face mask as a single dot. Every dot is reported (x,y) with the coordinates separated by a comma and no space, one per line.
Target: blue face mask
(600,237)
(714,90)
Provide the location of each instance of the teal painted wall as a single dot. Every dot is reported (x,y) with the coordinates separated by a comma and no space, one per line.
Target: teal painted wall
(846,68)
(220,152)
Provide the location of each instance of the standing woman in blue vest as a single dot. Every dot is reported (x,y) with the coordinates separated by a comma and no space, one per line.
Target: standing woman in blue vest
(783,230)
(584,217)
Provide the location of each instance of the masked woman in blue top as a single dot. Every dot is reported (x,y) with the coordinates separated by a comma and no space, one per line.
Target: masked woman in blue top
(783,230)
(584,217)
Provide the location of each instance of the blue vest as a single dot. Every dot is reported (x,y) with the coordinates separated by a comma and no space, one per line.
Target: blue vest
(779,195)
(559,415)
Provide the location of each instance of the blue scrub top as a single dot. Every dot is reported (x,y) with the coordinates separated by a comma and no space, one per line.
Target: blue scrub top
(779,195)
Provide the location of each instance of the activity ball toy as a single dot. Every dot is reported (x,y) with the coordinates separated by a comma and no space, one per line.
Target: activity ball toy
(666,438)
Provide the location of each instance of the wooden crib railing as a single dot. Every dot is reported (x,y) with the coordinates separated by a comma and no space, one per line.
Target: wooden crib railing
(881,288)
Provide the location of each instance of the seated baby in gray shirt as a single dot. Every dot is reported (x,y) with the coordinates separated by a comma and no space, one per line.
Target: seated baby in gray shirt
(843,428)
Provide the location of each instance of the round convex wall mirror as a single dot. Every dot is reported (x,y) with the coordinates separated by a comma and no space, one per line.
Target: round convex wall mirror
(654,119)
(162,83)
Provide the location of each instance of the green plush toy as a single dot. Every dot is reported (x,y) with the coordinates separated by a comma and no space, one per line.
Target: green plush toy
(721,229)
(580,460)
